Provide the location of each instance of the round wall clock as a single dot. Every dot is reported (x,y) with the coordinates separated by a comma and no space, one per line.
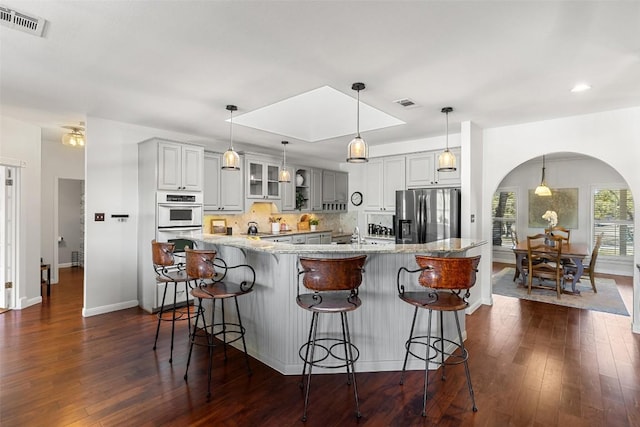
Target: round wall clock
(356,198)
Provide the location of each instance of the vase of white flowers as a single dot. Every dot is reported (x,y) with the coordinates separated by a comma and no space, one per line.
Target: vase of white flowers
(552,218)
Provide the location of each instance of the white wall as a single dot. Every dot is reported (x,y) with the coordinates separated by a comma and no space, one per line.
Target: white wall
(21,141)
(111,187)
(613,137)
(60,161)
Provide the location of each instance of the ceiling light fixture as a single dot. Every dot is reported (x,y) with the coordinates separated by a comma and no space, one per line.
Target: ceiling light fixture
(543,189)
(75,138)
(446,159)
(230,159)
(357,151)
(284,175)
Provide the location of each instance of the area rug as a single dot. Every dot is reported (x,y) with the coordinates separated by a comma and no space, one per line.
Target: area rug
(607,299)
(4,310)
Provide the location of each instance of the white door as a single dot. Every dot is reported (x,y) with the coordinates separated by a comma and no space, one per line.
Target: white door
(8,232)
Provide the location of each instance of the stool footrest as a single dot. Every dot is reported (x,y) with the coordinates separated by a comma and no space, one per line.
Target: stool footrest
(436,346)
(230,329)
(330,351)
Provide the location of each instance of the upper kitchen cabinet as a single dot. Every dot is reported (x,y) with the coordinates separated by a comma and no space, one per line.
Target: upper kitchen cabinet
(170,165)
(422,170)
(316,190)
(262,178)
(180,166)
(288,190)
(335,186)
(383,177)
(222,189)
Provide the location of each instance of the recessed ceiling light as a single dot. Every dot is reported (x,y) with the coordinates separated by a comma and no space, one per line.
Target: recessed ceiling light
(580,87)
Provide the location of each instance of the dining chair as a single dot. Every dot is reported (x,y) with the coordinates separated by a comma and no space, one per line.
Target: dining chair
(525,263)
(572,269)
(544,262)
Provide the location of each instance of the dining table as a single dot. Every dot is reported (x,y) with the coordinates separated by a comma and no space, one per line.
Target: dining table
(574,252)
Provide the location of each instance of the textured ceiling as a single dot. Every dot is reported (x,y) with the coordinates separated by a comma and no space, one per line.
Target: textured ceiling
(175,65)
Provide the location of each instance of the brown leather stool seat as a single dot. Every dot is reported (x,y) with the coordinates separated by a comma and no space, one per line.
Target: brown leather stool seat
(214,286)
(334,283)
(448,281)
(169,271)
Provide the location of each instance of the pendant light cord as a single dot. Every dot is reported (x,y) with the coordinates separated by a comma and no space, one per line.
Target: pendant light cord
(231,130)
(447,131)
(358,115)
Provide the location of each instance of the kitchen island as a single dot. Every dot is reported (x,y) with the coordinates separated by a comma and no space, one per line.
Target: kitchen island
(277,327)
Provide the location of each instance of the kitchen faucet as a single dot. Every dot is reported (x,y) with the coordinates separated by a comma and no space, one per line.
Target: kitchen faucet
(356,235)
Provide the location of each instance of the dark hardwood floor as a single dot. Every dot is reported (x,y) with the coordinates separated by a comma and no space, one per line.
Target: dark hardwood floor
(532,364)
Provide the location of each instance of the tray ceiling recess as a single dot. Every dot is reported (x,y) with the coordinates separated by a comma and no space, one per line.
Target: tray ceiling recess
(21,21)
(316,115)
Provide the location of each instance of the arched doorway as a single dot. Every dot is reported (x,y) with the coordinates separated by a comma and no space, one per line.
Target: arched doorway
(497,166)
(593,199)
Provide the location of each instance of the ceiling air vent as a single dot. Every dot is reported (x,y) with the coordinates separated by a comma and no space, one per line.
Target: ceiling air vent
(21,21)
(406,103)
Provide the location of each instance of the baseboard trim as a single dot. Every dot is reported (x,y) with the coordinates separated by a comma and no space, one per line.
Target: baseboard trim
(27,302)
(88,312)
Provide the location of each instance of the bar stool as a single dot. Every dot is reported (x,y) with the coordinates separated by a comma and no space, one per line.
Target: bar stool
(169,271)
(334,283)
(202,265)
(446,278)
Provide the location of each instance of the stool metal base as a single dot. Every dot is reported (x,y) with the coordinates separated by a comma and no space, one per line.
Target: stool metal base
(213,330)
(174,318)
(437,344)
(330,347)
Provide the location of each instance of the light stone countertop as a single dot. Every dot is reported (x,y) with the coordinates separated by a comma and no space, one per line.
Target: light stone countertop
(440,247)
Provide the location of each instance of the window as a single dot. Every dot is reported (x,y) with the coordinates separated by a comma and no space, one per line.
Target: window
(613,217)
(503,211)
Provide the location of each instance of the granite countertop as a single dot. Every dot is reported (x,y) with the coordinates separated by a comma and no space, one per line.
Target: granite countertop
(447,246)
(286,233)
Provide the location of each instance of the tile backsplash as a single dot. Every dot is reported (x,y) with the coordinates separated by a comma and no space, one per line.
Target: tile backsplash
(260,213)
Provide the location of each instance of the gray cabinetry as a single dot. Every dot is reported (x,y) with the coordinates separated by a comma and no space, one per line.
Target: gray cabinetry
(383,177)
(334,191)
(222,189)
(288,191)
(422,170)
(179,166)
(316,190)
(262,178)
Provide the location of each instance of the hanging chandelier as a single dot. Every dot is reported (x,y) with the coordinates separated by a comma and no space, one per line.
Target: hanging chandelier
(543,189)
(284,175)
(357,151)
(231,159)
(446,159)
(75,138)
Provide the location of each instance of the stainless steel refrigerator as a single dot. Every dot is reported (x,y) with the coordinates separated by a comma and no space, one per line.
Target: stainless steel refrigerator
(426,215)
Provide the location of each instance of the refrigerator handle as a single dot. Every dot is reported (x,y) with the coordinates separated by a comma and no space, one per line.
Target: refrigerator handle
(421,219)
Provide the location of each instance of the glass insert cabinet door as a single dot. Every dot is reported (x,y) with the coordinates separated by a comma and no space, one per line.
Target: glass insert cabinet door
(255,179)
(273,186)
(262,180)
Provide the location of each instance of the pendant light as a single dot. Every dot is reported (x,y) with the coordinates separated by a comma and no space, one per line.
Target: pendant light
(284,175)
(230,159)
(543,189)
(75,138)
(446,159)
(358,152)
